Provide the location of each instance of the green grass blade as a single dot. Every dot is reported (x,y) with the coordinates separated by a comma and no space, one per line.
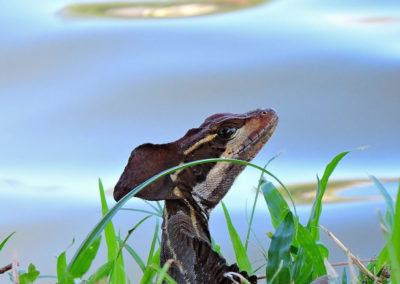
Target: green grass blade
(63,274)
(323,250)
(82,264)
(122,244)
(216,247)
(277,205)
(382,259)
(396,227)
(305,274)
(155,208)
(153,243)
(258,268)
(389,202)
(279,252)
(109,231)
(142,211)
(253,209)
(160,208)
(393,254)
(162,273)
(273,278)
(151,269)
(118,273)
(30,276)
(313,221)
(96,231)
(396,230)
(101,273)
(136,257)
(240,252)
(393,244)
(5,240)
(260,244)
(61,266)
(311,251)
(344,276)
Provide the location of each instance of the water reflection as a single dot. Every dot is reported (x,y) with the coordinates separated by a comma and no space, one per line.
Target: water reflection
(343,190)
(357,20)
(176,9)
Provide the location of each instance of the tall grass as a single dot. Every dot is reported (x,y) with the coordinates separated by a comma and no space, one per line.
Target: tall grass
(295,254)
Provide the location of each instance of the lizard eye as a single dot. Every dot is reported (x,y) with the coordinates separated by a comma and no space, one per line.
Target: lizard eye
(226,132)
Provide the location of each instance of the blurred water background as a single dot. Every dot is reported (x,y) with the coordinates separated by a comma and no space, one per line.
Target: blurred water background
(78,94)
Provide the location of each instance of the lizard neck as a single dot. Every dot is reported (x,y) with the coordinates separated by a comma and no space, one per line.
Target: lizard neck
(187,216)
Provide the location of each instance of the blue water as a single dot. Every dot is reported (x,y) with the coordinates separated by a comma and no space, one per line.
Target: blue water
(77,95)
(369,190)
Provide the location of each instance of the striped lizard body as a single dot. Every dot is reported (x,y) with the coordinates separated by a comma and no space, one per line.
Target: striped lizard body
(191,194)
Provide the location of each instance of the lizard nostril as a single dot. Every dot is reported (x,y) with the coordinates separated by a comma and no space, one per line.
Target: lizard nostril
(264,113)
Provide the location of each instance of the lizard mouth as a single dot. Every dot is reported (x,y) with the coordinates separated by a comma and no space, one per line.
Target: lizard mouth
(257,139)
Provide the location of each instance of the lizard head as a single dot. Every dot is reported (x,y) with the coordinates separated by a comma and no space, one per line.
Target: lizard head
(225,135)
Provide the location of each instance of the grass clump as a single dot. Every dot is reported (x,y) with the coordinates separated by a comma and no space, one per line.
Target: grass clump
(295,254)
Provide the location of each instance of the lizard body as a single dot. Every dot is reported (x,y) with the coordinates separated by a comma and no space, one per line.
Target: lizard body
(191,194)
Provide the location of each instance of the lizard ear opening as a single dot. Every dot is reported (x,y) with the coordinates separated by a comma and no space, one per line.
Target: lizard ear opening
(146,161)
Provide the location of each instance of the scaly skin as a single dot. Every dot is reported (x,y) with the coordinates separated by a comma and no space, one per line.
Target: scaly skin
(191,194)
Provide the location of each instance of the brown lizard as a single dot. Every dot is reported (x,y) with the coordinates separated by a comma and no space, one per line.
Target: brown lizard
(190,194)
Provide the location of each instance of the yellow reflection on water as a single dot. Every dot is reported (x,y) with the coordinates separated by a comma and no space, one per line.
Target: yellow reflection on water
(304,193)
(184,10)
(143,10)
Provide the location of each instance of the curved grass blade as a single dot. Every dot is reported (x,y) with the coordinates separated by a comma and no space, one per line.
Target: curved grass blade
(96,231)
(156,208)
(396,237)
(153,259)
(5,240)
(103,272)
(113,251)
(63,275)
(388,200)
(122,244)
(382,259)
(240,252)
(151,270)
(313,221)
(130,250)
(279,252)
(162,274)
(393,253)
(153,243)
(311,251)
(253,209)
(83,262)
(304,274)
(160,209)
(277,205)
(142,211)
(136,257)
(275,275)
